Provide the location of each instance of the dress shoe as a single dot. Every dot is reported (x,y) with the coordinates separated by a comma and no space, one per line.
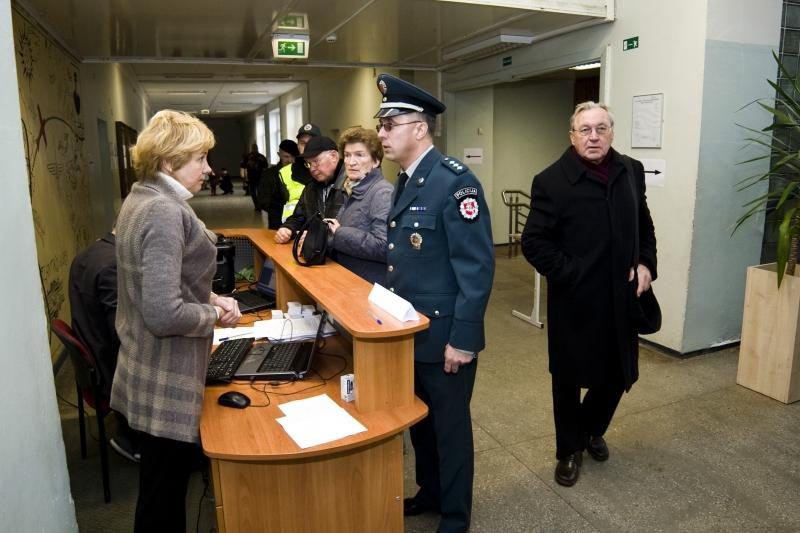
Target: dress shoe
(597,448)
(567,469)
(413,507)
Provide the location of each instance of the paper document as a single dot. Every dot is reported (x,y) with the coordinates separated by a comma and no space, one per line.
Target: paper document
(317,420)
(396,306)
(224,334)
(291,329)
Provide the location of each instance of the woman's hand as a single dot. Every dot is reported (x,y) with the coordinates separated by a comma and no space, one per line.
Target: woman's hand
(229,314)
(332,223)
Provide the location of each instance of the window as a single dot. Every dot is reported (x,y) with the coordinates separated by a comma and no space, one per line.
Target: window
(294,116)
(274,134)
(261,136)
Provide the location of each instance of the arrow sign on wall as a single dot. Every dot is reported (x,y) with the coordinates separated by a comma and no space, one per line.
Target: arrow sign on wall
(655,172)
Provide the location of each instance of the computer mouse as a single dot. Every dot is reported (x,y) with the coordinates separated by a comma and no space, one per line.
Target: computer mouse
(234,399)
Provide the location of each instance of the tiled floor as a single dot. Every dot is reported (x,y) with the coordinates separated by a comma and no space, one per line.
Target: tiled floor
(690,450)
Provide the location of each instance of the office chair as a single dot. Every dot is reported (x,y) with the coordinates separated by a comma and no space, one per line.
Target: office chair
(87,383)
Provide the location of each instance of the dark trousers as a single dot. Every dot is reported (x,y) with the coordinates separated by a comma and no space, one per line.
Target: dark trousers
(443,442)
(253,191)
(576,420)
(164,472)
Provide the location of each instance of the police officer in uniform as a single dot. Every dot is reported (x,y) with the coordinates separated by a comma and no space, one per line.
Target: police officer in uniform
(441,258)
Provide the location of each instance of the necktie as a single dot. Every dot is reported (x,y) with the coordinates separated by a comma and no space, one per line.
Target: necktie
(402,179)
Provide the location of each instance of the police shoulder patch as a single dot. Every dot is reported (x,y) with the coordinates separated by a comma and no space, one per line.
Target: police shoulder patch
(454,165)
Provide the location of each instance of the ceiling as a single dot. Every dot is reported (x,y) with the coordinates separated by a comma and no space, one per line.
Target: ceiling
(217,55)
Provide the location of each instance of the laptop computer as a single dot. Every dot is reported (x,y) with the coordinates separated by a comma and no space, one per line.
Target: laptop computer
(283,360)
(263,296)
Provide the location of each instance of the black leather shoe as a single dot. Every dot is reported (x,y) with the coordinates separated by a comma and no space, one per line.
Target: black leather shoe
(568,469)
(413,507)
(597,448)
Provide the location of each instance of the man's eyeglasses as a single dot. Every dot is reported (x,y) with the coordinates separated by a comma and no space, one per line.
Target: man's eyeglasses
(585,131)
(317,161)
(389,125)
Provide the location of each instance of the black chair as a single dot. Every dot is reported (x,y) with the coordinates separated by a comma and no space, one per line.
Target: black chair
(88,385)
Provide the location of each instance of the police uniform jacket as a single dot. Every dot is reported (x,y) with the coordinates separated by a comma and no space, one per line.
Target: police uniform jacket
(580,236)
(441,256)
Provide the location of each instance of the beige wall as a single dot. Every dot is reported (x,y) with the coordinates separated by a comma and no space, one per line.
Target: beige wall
(531,120)
(111,93)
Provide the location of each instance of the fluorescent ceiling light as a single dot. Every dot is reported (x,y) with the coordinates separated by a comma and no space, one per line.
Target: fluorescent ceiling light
(249,93)
(485,45)
(186,93)
(229,111)
(586,66)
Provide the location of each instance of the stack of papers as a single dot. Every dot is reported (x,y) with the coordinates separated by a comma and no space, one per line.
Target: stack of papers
(317,420)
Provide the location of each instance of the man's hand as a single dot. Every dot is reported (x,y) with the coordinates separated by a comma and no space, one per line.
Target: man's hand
(453,359)
(644,276)
(229,310)
(283,235)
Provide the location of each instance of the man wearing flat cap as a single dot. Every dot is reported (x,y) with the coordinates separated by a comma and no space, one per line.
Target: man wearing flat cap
(440,258)
(324,194)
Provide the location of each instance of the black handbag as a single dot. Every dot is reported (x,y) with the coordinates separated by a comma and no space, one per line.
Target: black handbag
(315,245)
(646,311)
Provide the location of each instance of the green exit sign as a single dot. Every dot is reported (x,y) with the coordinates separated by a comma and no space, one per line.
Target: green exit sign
(290,49)
(291,21)
(630,44)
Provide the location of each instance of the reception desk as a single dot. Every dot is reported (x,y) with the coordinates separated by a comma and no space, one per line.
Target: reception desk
(262,480)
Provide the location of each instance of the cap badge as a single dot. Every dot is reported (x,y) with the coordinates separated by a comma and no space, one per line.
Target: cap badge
(307,127)
(382,86)
(416,241)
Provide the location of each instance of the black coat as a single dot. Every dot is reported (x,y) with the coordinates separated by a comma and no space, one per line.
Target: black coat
(580,236)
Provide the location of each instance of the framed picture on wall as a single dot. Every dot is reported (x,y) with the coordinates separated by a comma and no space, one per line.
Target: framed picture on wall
(126,139)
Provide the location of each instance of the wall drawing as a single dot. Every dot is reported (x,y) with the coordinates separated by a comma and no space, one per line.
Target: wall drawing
(53,131)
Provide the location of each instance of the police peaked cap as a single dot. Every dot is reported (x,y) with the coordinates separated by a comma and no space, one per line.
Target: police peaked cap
(400,97)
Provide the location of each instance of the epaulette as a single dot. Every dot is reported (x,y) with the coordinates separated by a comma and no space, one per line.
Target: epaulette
(454,165)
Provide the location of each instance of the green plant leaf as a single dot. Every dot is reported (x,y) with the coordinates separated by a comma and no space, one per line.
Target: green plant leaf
(784,242)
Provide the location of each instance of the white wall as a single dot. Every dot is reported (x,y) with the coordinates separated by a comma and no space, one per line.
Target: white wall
(34,492)
(671,59)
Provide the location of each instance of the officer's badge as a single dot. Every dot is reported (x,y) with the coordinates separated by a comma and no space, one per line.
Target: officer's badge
(468,207)
(382,86)
(416,241)
(307,127)
(467,199)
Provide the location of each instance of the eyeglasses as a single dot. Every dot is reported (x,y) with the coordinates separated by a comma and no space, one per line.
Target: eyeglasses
(317,161)
(389,125)
(585,131)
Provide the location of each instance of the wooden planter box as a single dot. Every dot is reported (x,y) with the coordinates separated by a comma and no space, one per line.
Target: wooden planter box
(769,357)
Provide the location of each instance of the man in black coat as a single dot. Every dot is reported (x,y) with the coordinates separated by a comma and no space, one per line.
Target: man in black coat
(324,195)
(580,235)
(93,303)
(440,258)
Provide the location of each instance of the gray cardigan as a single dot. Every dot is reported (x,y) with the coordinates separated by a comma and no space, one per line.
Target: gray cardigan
(166,259)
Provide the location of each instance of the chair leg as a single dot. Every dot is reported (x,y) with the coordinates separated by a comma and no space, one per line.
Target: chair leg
(81,422)
(101,432)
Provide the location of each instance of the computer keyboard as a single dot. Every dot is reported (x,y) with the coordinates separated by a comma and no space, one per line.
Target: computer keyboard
(281,356)
(226,359)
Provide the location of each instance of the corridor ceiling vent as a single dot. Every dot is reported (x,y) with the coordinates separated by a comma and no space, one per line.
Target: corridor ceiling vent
(290,37)
(487,45)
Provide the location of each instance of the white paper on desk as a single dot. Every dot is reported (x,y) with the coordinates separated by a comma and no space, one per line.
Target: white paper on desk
(221,334)
(393,304)
(317,420)
(291,329)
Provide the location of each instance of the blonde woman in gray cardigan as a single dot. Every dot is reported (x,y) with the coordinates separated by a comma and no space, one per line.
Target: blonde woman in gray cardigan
(166,312)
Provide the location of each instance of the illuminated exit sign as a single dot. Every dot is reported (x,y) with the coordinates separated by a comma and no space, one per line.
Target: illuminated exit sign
(289,48)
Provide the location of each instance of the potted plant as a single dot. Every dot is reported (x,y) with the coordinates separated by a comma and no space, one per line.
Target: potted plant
(769,356)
